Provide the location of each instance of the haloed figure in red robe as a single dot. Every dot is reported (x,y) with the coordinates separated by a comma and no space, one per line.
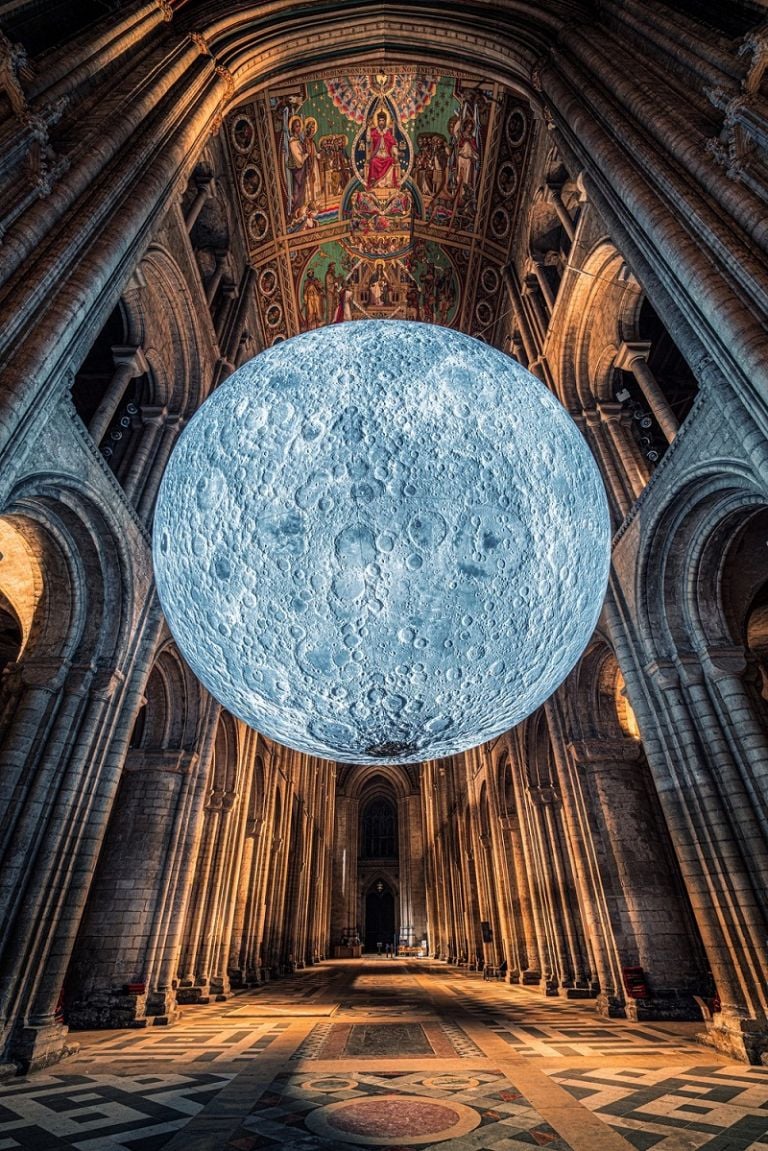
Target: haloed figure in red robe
(382,155)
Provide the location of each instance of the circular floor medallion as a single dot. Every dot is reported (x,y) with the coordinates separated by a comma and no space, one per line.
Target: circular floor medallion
(381,1120)
(330,1083)
(451,1082)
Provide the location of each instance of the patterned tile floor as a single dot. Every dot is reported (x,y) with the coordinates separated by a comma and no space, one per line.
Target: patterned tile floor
(696,1106)
(507,1121)
(356,1054)
(101,1113)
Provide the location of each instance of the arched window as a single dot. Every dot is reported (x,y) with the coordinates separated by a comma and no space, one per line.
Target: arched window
(379,830)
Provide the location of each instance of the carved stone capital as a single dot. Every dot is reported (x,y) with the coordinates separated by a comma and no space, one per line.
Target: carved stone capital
(201,42)
(126,356)
(610,411)
(630,351)
(44,674)
(254,827)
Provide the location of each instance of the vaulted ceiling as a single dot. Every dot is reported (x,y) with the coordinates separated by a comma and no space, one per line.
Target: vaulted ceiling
(380,194)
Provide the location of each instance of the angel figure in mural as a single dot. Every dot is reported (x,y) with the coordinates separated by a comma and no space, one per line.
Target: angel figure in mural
(382,154)
(465,152)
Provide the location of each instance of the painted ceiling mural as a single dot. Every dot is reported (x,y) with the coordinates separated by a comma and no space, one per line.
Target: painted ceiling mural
(380,195)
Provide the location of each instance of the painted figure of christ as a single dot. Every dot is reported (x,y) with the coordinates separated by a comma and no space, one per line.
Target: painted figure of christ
(382,155)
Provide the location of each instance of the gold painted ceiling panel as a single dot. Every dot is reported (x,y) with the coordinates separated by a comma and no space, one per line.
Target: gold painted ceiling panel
(386,195)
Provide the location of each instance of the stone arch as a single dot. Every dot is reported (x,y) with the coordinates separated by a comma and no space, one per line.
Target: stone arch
(602,311)
(84,570)
(60,720)
(162,320)
(593,694)
(389,778)
(483,810)
(171,713)
(682,559)
(226,756)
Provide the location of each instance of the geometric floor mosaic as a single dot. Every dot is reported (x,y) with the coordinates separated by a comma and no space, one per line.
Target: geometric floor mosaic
(194,1043)
(387,1041)
(503,1120)
(546,1041)
(470,1065)
(717,1108)
(101,1112)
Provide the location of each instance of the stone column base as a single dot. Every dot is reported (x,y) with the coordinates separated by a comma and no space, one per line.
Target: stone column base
(37,1047)
(193,993)
(530,978)
(610,1006)
(673,1005)
(742,1039)
(221,988)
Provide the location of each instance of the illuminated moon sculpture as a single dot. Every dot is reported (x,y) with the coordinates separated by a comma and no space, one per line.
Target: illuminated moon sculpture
(381,541)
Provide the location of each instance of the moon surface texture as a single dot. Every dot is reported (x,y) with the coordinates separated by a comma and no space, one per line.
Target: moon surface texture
(381,542)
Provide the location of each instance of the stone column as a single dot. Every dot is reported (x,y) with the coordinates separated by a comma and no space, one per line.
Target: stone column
(539,966)
(237,966)
(153,420)
(554,192)
(216,893)
(206,190)
(193,983)
(634,358)
(633,468)
(169,433)
(544,285)
(596,438)
(212,286)
(530,343)
(540,322)
(699,808)
(186,847)
(129,363)
(521,934)
(113,971)
(651,921)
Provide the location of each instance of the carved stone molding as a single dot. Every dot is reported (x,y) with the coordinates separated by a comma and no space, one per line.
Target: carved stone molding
(593,751)
(171,761)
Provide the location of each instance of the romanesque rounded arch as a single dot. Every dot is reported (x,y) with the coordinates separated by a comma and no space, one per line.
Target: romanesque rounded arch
(537,750)
(84,567)
(226,757)
(285,43)
(678,580)
(591,693)
(162,320)
(603,311)
(171,716)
